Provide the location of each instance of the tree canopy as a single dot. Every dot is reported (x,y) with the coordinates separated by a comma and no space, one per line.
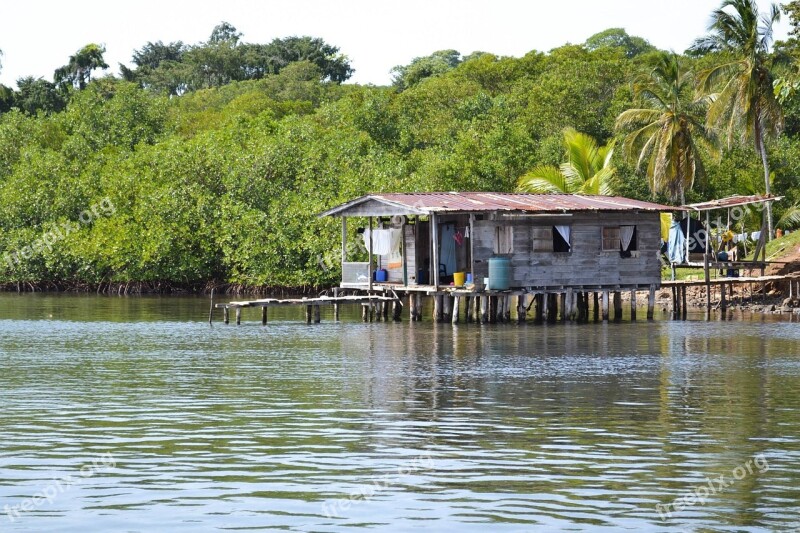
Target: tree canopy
(217,156)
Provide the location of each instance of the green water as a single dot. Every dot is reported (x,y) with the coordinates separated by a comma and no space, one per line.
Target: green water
(179,426)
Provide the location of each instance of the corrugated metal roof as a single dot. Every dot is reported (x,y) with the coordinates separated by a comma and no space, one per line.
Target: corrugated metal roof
(441,202)
(732,201)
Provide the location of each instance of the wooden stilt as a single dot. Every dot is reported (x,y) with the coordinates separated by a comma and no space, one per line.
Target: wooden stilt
(605,306)
(651,302)
(484,304)
(723,301)
(226,316)
(309,313)
(419,306)
(566,305)
(397,310)
(385,310)
(317,317)
(238,315)
(469,309)
(633,305)
(675,306)
(538,311)
(596,302)
(492,309)
(447,300)
(365,311)
(683,302)
(552,308)
(437,308)
(264,315)
(617,306)
(455,311)
(522,308)
(412,307)
(336,295)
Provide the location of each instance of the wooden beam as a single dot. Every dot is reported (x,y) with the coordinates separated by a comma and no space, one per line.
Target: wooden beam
(371,239)
(434,268)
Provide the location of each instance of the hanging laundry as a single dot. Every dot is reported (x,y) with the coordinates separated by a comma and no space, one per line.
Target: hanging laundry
(755,235)
(381,241)
(459,237)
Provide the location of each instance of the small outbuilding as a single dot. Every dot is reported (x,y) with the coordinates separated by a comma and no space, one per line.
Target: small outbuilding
(540,242)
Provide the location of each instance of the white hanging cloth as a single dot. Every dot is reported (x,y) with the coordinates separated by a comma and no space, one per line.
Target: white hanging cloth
(564,231)
(626,236)
(381,241)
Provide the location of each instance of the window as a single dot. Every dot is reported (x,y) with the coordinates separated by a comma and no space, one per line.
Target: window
(551,239)
(611,241)
(542,239)
(621,239)
(561,238)
(504,240)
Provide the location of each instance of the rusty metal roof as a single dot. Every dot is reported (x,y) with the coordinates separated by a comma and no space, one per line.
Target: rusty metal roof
(732,201)
(454,202)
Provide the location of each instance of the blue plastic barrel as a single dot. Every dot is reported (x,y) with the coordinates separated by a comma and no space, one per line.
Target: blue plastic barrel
(499,273)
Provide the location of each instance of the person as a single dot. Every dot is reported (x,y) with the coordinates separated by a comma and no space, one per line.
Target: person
(778,233)
(733,256)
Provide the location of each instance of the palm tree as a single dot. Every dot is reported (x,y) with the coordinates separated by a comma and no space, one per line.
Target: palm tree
(741,89)
(668,130)
(588,169)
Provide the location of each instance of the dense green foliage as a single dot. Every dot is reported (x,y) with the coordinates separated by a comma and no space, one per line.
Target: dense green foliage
(222,181)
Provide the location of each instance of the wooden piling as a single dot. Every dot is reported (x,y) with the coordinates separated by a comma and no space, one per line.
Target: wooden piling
(617,306)
(469,309)
(605,306)
(484,303)
(385,310)
(309,313)
(455,309)
(492,309)
(397,310)
(522,308)
(723,302)
(211,310)
(633,305)
(596,302)
(683,302)
(226,316)
(317,316)
(552,308)
(365,311)
(419,306)
(447,304)
(651,302)
(336,304)
(264,315)
(238,316)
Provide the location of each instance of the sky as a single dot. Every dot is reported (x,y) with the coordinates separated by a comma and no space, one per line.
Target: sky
(37,36)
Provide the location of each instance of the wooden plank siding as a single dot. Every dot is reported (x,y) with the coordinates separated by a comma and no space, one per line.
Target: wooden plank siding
(586,264)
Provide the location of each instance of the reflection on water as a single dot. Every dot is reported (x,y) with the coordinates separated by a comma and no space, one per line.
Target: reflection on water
(347,425)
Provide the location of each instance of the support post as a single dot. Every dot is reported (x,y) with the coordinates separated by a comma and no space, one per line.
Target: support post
(563,298)
(538,311)
(264,315)
(617,306)
(456,305)
(683,302)
(336,304)
(365,311)
(567,302)
(605,306)
(469,310)
(370,268)
(723,302)
(309,312)
(522,308)
(484,303)
(385,310)
(238,316)
(226,317)
(706,269)
(596,302)
(651,302)
(419,306)
(397,310)
(412,307)
(633,305)
(317,317)
(552,308)
(447,306)
(434,273)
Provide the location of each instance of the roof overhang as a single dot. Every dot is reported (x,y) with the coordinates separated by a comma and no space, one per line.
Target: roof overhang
(732,201)
(372,206)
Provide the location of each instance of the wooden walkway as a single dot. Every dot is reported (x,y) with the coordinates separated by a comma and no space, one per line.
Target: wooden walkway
(312,305)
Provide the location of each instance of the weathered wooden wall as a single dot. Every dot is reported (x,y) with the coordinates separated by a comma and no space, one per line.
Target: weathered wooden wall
(586,265)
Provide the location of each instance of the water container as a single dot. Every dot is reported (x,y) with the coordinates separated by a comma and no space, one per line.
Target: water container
(499,273)
(458,279)
(381,275)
